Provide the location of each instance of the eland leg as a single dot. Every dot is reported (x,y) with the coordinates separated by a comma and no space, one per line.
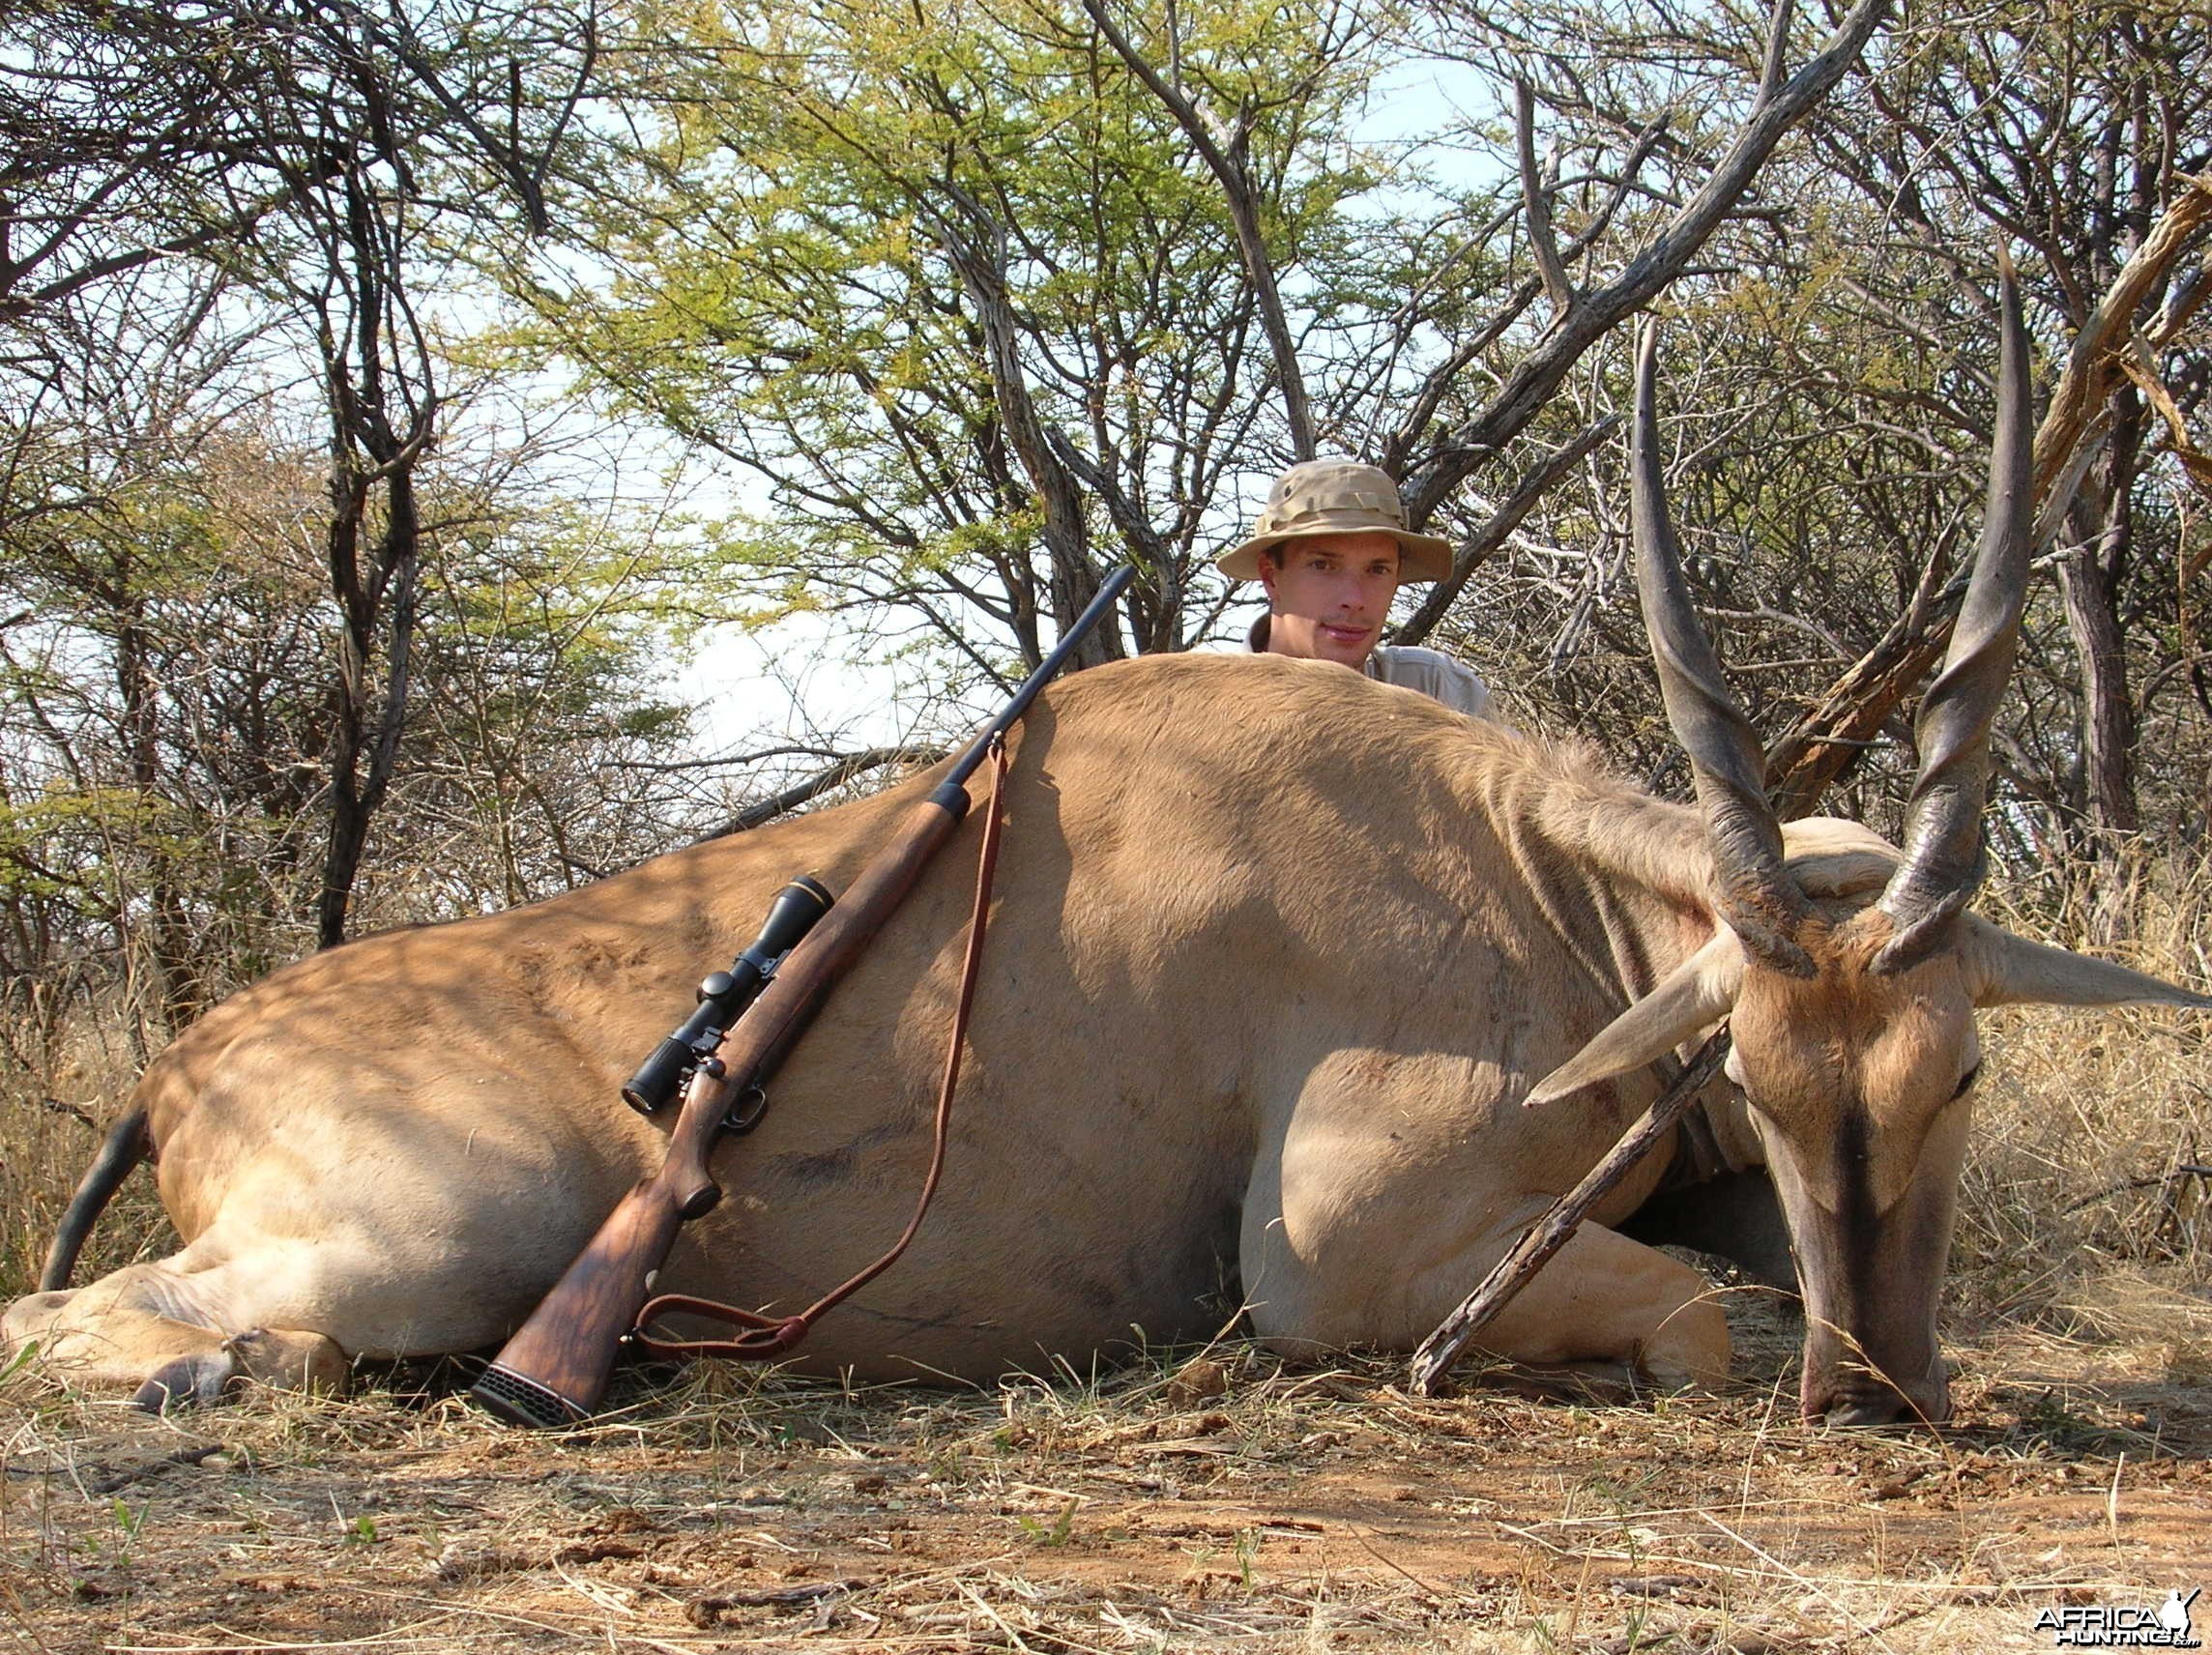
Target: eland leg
(1601,1298)
(374,1238)
(1374,1210)
(1604,1297)
(136,1328)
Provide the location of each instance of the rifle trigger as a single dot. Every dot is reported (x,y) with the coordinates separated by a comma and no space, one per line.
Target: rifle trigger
(746,1112)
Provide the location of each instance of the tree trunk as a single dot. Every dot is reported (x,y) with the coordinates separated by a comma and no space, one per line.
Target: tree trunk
(382,415)
(367,718)
(180,991)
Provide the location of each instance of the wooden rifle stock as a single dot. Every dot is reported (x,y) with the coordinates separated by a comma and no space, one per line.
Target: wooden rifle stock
(555,1368)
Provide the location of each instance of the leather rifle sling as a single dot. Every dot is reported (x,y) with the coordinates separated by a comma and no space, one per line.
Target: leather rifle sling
(765,1336)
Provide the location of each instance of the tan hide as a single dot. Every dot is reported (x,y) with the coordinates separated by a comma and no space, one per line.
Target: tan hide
(1277,952)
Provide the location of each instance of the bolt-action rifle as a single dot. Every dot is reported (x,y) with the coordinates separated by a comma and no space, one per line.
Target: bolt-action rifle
(556,1367)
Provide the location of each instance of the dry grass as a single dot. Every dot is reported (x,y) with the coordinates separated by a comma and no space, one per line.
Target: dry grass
(50,1128)
(1221,1503)
(1217,1502)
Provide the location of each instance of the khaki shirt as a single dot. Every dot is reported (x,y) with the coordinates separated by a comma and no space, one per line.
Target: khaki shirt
(1431,672)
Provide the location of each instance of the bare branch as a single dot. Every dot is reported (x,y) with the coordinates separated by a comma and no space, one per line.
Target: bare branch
(2094,367)
(1535,201)
(1236,181)
(1533,383)
(1777,50)
(1823,743)
(1534,484)
(822,781)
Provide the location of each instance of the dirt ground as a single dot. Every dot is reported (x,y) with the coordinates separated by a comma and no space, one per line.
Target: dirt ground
(1221,1501)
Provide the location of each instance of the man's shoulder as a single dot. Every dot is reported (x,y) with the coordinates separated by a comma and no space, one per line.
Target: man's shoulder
(1416,658)
(1434,673)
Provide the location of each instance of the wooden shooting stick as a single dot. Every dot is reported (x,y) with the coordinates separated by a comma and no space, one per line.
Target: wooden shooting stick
(1548,1234)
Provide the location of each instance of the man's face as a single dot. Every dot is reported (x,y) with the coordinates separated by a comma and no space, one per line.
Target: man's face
(1331,595)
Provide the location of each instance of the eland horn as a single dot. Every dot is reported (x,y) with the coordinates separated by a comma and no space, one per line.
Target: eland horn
(1943,853)
(1758,898)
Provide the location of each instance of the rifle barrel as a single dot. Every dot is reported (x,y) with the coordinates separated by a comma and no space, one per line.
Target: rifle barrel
(1114,585)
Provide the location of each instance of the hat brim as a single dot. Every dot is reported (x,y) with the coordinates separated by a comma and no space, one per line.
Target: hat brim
(1420,556)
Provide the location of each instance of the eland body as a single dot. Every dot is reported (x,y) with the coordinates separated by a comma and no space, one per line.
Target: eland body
(1279,957)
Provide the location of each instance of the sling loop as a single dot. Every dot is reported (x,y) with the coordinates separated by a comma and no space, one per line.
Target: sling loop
(768,1337)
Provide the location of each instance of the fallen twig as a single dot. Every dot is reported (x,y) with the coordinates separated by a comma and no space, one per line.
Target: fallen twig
(702,1612)
(115,1480)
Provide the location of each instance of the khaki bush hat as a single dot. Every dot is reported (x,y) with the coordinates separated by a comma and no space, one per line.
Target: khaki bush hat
(1337,497)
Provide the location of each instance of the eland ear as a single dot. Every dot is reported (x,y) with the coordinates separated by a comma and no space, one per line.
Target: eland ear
(2012,971)
(1689,1000)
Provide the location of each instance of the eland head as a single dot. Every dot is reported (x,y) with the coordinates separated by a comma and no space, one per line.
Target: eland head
(1851,1003)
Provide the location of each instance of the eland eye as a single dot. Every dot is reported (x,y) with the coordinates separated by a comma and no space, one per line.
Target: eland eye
(1967,1083)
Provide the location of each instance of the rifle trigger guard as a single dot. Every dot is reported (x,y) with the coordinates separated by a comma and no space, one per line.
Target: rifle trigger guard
(747,1110)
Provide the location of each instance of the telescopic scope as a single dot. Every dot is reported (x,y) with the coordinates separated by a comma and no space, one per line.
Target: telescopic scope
(724,995)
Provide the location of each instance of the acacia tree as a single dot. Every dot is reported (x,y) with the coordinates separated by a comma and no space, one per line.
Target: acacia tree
(138,135)
(110,543)
(164,713)
(955,291)
(1640,123)
(542,754)
(401,102)
(1828,361)
(979,297)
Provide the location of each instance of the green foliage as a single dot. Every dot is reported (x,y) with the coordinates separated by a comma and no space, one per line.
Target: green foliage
(796,258)
(1051,1534)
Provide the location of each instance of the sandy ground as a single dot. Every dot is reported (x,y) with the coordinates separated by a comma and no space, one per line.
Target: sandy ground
(1217,1502)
